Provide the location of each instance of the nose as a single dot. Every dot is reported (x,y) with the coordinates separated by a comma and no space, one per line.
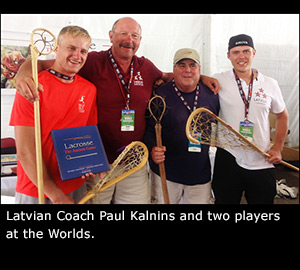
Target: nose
(129,38)
(187,68)
(76,53)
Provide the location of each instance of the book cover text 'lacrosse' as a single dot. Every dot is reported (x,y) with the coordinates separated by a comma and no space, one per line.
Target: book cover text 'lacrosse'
(79,151)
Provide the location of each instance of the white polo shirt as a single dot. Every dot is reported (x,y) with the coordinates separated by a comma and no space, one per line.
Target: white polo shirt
(266,96)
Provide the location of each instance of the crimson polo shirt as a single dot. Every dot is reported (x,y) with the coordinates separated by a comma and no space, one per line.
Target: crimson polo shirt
(98,69)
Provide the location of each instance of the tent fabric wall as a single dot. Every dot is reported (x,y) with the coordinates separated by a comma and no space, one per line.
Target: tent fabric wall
(276,38)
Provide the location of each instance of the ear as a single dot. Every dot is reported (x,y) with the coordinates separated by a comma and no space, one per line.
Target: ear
(174,68)
(254,52)
(111,34)
(56,49)
(228,53)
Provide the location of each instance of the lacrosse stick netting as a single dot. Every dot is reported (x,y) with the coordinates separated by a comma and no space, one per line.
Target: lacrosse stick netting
(42,42)
(216,132)
(132,158)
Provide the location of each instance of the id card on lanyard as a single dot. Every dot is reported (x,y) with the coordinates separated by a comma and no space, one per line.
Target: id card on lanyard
(127,120)
(127,115)
(246,126)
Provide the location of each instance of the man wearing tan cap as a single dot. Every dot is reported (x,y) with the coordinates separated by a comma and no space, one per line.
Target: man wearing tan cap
(188,169)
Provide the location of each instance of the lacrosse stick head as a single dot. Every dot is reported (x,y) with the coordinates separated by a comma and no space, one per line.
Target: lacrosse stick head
(201,121)
(42,41)
(215,132)
(132,158)
(157,107)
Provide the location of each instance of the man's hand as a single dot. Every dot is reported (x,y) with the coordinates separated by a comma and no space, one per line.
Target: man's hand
(88,176)
(211,83)
(24,81)
(91,176)
(158,154)
(275,156)
(282,120)
(26,88)
(158,83)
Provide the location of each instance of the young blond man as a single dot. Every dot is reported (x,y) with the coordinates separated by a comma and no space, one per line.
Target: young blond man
(63,92)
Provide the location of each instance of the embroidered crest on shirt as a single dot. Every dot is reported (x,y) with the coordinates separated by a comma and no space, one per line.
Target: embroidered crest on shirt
(138,80)
(81,104)
(260,96)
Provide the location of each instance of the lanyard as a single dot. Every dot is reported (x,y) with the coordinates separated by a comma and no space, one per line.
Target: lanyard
(120,78)
(246,101)
(182,98)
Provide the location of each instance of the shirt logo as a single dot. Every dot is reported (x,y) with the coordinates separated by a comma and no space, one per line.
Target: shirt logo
(138,80)
(81,104)
(260,96)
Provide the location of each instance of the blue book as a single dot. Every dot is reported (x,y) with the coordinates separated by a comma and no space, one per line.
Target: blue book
(79,151)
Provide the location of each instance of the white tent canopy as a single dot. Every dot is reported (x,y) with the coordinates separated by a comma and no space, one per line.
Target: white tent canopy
(276,38)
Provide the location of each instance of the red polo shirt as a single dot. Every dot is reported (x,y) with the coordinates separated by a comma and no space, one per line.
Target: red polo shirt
(60,107)
(99,70)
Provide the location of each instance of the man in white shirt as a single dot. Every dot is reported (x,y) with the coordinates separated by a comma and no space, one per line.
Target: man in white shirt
(246,98)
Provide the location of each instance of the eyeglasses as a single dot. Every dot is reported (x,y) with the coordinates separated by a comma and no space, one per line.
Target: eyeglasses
(134,36)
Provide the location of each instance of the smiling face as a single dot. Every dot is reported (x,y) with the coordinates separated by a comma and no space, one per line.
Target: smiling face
(241,58)
(186,75)
(71,54)
(125,38)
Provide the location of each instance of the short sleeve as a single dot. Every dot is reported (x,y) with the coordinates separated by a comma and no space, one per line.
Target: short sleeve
(277,104)
(22,112)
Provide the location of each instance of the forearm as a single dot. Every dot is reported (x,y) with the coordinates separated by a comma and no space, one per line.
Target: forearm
(281,130)
(24,70)
(167,76)
(24,81)
(211,83)
(26,67)
(27,157)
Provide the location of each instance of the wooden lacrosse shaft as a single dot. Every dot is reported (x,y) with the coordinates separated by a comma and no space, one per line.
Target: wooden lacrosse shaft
(234,131)
(87,197)
(161,165)
(37,130)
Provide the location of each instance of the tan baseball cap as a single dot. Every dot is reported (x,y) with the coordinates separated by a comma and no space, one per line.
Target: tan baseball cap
(186,53)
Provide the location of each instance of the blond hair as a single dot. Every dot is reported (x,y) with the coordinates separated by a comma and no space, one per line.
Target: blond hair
(74,31)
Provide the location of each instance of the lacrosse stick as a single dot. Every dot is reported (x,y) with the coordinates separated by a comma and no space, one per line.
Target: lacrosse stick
(42,42)
(132,158)
(157,108)
(216,132)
